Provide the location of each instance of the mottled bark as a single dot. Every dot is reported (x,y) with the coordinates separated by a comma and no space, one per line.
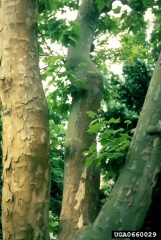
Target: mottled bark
(26,186)
(81,185)
(130,199)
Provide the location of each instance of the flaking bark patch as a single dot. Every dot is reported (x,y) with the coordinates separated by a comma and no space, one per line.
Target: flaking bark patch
(26,175)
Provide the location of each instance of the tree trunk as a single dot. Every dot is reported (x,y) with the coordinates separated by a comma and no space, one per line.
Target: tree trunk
(26,175)
(130,199)
(81,185)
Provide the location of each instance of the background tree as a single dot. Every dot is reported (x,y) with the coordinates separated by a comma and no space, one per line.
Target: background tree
(81,205)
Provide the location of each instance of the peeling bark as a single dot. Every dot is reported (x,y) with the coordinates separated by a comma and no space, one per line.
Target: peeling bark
(81,186)
(26,187)
(127,206)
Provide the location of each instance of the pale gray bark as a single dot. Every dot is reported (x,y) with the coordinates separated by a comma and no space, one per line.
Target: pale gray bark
(130,199)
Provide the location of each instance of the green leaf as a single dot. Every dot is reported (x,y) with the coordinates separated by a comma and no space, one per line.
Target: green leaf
(133,130)
(95,128)
(106,134)
(113,120)
(72,43)
(62,74)
(118,131)
(128,122)
(72,38)
(54,58)
(134,29)
(92,148)
(115,155)
(69,29)
(91,114)
(85,153)
(100,4)
(124,146)
(53,226)
(89,161)
(101,156)
(149,3)
(117,10)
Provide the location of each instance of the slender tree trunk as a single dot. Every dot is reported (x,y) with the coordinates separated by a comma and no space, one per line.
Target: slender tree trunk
(25,145)
(130,199)
(81,185)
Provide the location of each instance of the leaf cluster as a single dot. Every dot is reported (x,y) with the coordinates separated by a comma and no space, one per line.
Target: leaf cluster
(57,5)
(114,145)
(53,223)
(57,135)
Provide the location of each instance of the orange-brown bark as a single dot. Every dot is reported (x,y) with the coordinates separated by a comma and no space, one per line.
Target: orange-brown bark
(26,187)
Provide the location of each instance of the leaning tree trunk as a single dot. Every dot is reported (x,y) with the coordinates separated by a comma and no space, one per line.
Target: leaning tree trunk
(130,199)
(25,144)
(81,185)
